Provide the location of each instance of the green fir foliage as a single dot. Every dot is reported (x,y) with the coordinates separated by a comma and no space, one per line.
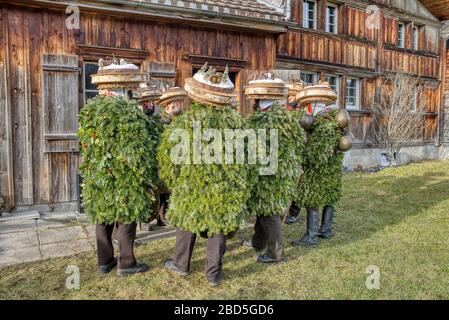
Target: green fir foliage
(321,183)
(119,168)
(206,198)
(273,194)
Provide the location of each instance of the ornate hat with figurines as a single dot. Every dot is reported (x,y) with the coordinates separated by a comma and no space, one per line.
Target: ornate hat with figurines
(267,87)
(148,92)
(117,77)
(295,87)
(170,95)
(212,88)
(321,93)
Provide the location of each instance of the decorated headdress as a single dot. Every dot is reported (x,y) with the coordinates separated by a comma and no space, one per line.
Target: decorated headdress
(212,88)
(267,88)
(148,93)
(118,76)
(321,93)
(294,87)
(170,95)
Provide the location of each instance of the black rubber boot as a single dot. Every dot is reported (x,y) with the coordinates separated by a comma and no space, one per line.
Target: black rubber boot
(326,222)
(313,229)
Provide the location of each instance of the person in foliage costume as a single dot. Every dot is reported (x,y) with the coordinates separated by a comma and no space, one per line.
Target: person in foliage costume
(273,193)
(292,104)
(119,169)
(321,184)
(171,101)
(148,98)
(208,195)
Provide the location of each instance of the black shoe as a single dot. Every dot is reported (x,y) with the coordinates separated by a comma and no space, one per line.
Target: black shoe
(138,268)
(161,223)
(170,265)
(248,244)
(292,220)
(108,267)
(313,231)
(214,281)
(326,223)
(267,259)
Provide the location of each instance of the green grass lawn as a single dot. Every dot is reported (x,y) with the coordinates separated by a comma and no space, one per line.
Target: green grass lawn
(397,220)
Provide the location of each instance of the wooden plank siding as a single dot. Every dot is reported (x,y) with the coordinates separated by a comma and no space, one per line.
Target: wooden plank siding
(39,160)
(39,102)
(367,54)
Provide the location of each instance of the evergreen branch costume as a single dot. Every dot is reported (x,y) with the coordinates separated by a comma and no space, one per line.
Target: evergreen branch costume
(206,198)
(118,145)
(119,168)
(273,194)
(321,185)
(209,195)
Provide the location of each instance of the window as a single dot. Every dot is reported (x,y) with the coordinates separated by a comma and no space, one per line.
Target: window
(414,101)
(415,44)
(90,90)
(352,93)
(401,35)
(309,14)
(332,18)
(308,78)
(335,85)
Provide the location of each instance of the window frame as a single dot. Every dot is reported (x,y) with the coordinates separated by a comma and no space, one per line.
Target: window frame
(337,85)
(335,25)
(401,34)
(357,94)
(84,81)
(415,37)
(313,74)
(305,22)
(415,99)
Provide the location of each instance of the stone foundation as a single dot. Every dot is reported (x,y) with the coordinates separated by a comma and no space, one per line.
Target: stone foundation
(368,158)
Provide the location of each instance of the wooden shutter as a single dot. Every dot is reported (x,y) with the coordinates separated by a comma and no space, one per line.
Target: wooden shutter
(60,103)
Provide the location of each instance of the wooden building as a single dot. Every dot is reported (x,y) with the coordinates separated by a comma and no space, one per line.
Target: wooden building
(49,49)
(46,60)
(355,43)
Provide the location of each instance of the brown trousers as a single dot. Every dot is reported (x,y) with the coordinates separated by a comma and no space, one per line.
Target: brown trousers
(126,234)
(216,248)
(268,233)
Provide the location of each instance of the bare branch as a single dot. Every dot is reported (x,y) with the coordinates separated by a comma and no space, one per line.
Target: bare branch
(400,115)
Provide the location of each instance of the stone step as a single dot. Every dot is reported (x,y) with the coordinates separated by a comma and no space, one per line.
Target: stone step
(19,216)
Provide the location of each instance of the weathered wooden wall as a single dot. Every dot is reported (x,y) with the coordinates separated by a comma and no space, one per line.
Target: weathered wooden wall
(41,85)
(368,54)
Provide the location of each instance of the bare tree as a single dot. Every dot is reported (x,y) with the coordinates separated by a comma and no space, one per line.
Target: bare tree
(399,118)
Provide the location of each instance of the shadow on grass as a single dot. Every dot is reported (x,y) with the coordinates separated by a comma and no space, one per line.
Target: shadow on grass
(371,203)
(366,208)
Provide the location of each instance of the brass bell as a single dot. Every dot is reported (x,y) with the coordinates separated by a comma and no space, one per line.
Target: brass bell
(343,118)
(307,122)
(346,143)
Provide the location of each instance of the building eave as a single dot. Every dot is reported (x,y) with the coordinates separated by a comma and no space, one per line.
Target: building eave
(156,12)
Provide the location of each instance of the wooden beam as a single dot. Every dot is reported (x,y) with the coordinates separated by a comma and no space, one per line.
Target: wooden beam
(93,53)
(6,113)
(234,64)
